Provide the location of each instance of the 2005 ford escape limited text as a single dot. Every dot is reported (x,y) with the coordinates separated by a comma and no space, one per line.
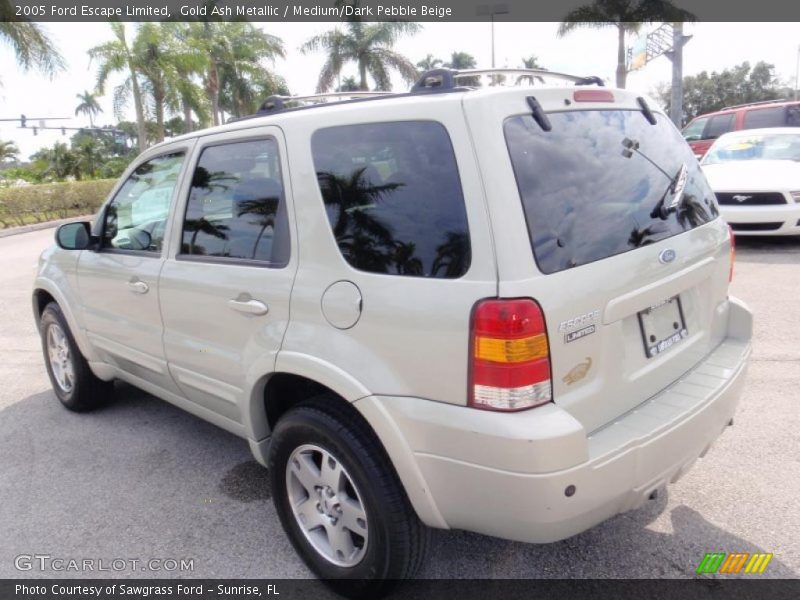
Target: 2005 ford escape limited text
(501,309)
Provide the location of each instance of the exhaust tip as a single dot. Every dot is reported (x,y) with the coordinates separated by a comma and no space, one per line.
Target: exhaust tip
(653,495)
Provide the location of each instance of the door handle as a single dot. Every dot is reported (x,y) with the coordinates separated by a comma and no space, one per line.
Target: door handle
(249,307)
(138,287)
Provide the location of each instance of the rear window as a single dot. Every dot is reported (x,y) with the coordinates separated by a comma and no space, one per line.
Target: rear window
(393,197)
(601,183)
(765,117)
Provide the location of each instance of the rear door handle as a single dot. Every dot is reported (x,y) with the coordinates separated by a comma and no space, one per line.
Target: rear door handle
(138,287)
(249,307)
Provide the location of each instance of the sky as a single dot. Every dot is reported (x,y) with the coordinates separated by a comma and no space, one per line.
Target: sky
(714,46)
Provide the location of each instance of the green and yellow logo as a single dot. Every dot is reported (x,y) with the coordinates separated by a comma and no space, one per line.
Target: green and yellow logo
(736,562)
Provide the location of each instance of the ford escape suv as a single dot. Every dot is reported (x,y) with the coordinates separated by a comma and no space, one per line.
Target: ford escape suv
(502,309)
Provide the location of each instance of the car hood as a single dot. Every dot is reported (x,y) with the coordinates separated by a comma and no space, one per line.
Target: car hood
(754,175)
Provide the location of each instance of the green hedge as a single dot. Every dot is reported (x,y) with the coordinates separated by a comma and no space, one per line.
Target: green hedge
(38,203)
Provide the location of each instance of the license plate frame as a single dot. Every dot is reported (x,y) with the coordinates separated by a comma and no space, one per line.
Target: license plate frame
(662,326)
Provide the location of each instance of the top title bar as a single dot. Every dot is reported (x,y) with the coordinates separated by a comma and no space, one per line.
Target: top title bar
(375,10)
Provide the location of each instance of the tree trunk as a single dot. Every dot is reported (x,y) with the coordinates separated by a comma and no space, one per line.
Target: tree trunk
(137,102)
(158,100)
(212,89)
(187,115)
(362,72)
(621,67)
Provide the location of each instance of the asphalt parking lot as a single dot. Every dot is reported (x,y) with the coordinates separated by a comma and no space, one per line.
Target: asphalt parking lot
(142,479)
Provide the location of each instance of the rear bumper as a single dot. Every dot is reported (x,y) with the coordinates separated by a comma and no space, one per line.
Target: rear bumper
(507,475)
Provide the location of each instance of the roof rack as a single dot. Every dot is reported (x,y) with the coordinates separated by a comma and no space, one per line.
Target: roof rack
(447,79)
(775,101)
(433,81)
(277,103)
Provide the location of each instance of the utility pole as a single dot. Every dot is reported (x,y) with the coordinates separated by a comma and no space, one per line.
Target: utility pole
(797,73)
(676,56)
(490,11)
(667,40)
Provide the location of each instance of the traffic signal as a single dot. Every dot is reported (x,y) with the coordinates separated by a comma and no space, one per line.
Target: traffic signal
(22,121)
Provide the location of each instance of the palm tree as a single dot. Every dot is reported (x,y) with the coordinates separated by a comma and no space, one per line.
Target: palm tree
(429,63)
(461,61)
(185,94)
(30,43)
(627,16)
(232,50)
(8,151)
(369,45)
(88,156)
(60,162)
(244,82)
(531,62)
(349,84)
(117,55)
(88,106)
(152,55)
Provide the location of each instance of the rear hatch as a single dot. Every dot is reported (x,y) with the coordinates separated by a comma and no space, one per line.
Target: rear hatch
(607,221)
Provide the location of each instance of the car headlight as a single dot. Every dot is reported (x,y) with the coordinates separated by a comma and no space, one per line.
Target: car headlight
(795,196)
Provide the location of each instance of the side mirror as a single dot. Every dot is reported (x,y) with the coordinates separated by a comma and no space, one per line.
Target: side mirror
(74,236)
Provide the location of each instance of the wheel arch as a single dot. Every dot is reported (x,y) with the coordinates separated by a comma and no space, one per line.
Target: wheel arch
(43,294)
(276,393)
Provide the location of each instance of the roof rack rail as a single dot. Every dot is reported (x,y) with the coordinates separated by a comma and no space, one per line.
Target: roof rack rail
(447,79)
(433,81)
(278,103)
(775,101)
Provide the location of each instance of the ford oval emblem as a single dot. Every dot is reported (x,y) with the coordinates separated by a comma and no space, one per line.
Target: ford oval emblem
(666,256)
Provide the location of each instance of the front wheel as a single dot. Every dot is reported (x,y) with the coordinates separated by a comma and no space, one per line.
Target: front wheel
(73,381)
(340,501)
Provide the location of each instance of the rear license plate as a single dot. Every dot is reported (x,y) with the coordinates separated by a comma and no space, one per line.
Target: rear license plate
(663,326)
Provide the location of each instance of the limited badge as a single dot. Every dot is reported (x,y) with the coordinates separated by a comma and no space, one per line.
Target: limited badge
(578,372)
(580,333)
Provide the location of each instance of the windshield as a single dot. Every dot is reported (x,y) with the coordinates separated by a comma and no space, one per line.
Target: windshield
(604,182)
(784,146)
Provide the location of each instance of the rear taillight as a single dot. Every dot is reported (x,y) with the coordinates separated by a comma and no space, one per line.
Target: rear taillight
(509,356)
(733,252)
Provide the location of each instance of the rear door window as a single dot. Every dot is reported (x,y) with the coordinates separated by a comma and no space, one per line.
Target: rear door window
(393,197)
(765,117)
(236,207)
(718,125)
(601,183)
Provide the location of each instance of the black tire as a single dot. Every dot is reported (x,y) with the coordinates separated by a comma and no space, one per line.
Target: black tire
(397,539)
(86,392)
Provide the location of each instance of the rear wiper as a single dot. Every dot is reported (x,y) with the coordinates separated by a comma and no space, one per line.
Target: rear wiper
(648,114)
(676,187)
(538,114)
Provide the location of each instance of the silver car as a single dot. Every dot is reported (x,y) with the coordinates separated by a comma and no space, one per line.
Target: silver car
(502,309)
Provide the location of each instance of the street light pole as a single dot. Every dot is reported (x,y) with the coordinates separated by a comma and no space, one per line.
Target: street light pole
(797,73)
(493,47)
(490,11)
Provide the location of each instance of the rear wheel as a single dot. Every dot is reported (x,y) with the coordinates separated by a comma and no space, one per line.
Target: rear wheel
(73,381)
(340,501)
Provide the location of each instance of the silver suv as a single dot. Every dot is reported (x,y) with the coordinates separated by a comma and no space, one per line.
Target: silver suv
(501,309)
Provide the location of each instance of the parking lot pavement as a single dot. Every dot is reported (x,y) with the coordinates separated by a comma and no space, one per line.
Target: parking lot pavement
(141,479)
